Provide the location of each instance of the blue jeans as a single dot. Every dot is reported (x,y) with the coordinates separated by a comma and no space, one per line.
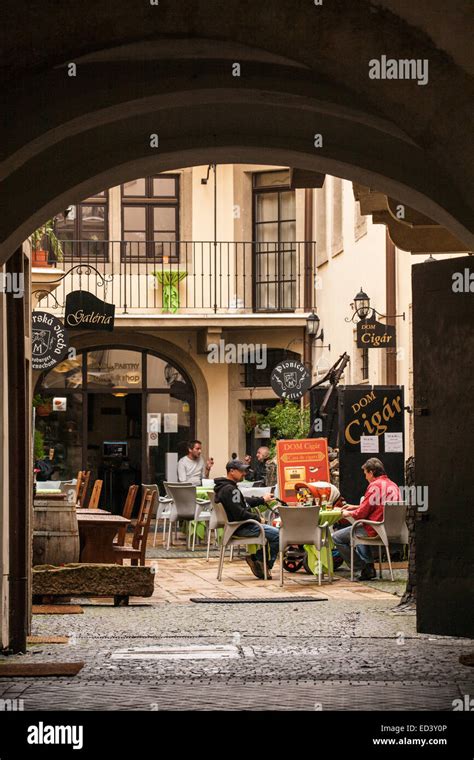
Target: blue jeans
(362,554)
(273,538)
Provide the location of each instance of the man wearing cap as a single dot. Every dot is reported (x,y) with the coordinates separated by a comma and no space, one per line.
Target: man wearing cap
(238,509)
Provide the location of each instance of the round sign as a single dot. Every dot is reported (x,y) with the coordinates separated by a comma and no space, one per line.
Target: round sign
(49,343)
(290,379)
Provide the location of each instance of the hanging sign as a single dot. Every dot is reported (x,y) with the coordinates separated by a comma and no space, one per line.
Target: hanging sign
(301,460)
(290,379)
(49,343)
(374,334)
(86,311)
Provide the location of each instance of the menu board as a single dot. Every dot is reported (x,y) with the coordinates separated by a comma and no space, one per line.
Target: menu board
(300,460)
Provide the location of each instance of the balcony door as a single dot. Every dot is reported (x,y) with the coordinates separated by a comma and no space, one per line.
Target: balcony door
(275,263)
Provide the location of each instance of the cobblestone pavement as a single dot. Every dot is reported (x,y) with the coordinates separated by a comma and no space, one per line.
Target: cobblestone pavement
(351,651)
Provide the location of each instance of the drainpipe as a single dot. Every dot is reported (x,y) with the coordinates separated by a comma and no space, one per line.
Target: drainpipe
(308,279)
(391,306)
(308,249)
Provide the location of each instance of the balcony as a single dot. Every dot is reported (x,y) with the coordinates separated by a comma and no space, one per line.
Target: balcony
(188,278)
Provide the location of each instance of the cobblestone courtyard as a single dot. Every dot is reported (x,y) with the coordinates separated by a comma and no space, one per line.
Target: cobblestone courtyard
(351,650)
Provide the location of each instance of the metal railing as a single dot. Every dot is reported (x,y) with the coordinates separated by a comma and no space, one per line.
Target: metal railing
(179,277)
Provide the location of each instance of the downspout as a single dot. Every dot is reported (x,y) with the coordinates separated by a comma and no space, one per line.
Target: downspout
(391,306)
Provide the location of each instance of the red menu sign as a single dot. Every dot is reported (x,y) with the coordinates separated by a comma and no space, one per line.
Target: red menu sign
(304,460)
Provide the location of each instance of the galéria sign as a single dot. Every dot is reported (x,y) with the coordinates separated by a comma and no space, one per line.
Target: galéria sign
(49,343)
(290,379)
(374,334)
(85,311)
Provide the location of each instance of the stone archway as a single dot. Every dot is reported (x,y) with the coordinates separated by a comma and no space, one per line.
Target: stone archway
(171,74)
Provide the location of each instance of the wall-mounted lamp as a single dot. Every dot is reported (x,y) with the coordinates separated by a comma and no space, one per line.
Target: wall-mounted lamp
(362,308)
(312,327)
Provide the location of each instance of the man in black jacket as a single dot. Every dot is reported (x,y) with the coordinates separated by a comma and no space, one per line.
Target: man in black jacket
(237,509)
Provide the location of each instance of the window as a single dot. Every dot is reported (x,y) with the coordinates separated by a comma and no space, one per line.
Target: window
(150,218)
(275,262)
(365,363)
(83,228)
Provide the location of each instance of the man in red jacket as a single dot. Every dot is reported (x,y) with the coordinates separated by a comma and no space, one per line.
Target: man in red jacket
(380,490)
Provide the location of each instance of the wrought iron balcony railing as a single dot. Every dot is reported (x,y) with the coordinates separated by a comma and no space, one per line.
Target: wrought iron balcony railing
(182,277)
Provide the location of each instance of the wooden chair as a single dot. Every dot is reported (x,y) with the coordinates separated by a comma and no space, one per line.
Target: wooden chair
(95,495)
(127,512)
(136,553)
(83,477)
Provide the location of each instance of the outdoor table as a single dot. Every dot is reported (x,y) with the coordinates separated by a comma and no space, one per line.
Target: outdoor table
(96,534)
(330,516)
(87,511)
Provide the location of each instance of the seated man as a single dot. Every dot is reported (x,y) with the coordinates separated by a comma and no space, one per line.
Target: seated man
(237,509)
(260,472)
(380,490)
(192,468)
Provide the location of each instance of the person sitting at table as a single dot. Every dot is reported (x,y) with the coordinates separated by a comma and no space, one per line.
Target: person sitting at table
(238,508)
(192,468)
(380,490)
(260,472)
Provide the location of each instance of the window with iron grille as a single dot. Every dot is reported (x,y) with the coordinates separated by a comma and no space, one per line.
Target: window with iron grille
(365,363)
(83,229)
(150,218)
(274,260)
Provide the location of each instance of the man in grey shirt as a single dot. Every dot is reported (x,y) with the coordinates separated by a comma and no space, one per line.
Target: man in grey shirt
(192,468)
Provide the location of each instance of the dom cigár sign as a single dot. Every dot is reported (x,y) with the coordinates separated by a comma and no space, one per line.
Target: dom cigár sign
(374,334)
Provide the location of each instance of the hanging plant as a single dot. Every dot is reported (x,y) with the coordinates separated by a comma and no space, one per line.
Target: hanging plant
(252,419)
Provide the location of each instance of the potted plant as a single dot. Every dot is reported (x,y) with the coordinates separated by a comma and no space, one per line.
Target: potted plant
(39,452)
(43,406)
(43,240)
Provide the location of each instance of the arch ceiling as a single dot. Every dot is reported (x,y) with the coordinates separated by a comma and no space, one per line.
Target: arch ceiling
(167,70)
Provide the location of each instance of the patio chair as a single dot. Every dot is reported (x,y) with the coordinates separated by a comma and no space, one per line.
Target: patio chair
(300,525)
(163,511)
(215,522)
(83,477)
(137,552)
(231,540)
(184,506)
(127,512)
(95,495)
(392,528)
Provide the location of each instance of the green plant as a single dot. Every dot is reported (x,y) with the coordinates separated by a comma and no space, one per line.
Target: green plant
(39,400)
(39,452)
(47,231)
(289,421)
(252,419)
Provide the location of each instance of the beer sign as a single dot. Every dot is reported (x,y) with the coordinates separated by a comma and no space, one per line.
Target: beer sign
(49,343)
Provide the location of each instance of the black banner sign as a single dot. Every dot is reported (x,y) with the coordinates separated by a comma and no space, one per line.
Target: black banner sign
(49,343)
(374,334)
(290,379)
(371,424)
(86,311)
